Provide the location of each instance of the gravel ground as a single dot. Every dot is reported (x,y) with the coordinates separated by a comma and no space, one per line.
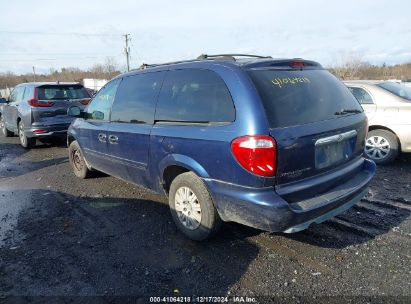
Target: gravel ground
(62,236)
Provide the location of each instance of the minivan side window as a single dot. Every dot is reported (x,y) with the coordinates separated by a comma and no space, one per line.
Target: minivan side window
(362,95)
(136,96)
(194,95)
(99,108)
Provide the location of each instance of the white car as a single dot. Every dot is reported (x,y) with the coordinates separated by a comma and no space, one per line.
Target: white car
(388,109)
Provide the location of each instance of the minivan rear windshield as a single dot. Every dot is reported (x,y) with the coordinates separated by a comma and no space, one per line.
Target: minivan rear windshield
(296,97)
(63,92)
(396,89)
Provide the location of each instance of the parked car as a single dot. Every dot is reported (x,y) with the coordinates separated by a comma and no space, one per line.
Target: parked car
(388,108)
(91,92)
(39,110)
(272,144)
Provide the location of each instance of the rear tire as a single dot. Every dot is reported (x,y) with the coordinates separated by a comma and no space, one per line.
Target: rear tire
(26,142)
(192,208)
(4,130)
(77,161)
(381,146)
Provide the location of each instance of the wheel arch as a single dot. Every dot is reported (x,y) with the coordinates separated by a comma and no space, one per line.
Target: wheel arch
(379,127)
(175,164)
(70,139)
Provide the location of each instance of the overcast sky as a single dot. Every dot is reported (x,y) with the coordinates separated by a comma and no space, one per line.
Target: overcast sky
(55,34)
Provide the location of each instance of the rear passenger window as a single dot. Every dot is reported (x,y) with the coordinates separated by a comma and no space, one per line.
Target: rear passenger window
(195,95)
(362,95)
(17,94)
(136,97)
(28,93)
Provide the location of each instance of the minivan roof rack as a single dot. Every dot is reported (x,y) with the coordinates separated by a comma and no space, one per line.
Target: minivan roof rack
(150,65)
(203,57)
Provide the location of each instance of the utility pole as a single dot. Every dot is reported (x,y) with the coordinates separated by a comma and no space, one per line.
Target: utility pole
(34,74)
(127,51)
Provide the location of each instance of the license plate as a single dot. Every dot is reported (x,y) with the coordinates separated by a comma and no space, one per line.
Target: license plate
(333,153)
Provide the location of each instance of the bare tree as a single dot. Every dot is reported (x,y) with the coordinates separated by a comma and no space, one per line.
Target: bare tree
(111,67)
(349,66)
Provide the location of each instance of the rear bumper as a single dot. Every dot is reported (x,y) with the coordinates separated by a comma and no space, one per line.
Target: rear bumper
(47,131)
(265,209)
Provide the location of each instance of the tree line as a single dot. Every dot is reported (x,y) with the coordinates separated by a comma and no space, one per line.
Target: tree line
(107,71)
(351,68)
(359,70)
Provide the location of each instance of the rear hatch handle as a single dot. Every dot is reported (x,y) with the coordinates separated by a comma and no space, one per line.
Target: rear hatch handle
(336,138)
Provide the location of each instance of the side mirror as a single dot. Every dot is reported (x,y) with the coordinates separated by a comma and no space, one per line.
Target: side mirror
(3,100)
(74,111)
(97,115)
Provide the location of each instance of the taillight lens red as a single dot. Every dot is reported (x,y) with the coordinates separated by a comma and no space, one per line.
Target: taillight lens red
(85,101)
(39,103)
(257,154)
(39,131)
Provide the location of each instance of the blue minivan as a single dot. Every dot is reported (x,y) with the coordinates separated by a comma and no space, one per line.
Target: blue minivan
(276,144)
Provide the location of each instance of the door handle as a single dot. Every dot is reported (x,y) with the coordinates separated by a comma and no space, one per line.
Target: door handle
(112,139)
(102,137)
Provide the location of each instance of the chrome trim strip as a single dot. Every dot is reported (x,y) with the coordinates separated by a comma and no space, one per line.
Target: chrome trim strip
(336,138)
(116,159)
(48,133)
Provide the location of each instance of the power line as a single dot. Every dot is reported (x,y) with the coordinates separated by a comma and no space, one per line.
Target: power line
(58,33)
(54,54)
(61,58)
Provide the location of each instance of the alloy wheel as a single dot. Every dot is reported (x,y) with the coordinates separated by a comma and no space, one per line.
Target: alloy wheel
(21,135)
(2,126)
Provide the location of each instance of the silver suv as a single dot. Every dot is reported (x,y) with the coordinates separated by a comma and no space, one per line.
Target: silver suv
(388,109)
(39,109)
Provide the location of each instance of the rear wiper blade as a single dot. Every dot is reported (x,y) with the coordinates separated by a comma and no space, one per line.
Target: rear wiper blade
(347,111)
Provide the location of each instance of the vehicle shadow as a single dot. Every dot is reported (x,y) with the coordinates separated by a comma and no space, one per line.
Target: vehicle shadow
(11,168)
(113,246)
(387,205)
(8,150)
(11,151)
(51,142)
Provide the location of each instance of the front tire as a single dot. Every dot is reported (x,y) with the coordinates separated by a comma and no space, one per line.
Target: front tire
(77,161)
(192,208)
(26,142)
(4,130)
(381,146)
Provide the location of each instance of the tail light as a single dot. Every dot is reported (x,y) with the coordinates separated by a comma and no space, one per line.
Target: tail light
(39,103)
(257,154)
(85,101)
(39,131)
(297,64)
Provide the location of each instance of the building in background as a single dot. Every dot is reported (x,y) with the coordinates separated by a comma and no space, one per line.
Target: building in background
(94,84)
